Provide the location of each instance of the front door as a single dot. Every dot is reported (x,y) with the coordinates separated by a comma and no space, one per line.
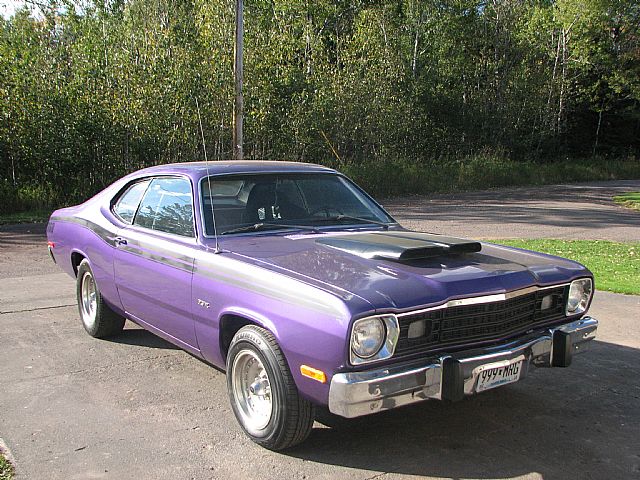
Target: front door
(153,264)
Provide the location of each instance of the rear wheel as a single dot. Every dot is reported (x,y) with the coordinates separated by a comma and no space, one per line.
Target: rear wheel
(97,317)
(263,394)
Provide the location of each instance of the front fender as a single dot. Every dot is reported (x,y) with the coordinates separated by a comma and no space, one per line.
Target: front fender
(309,324)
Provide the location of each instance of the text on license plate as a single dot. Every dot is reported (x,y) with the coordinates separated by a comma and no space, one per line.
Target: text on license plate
(499,375)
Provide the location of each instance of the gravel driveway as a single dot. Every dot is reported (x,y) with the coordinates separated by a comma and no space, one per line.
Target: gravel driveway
(72,407)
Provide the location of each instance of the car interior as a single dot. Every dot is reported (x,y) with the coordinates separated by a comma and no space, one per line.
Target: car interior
(287,199)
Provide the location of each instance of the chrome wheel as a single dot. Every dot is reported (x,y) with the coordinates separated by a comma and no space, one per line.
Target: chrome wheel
(262,392)
(251,390)
(88,304)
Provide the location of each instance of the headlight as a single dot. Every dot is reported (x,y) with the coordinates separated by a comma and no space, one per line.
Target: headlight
(373,338)
(367,337)
(579,296)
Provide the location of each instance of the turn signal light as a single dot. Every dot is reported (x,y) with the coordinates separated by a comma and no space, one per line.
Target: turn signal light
(314,373)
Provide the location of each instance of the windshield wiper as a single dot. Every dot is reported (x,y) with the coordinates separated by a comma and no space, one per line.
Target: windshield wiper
(358,219)
(265,226)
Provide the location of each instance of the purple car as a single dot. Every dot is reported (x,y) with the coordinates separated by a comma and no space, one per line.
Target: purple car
(310,295)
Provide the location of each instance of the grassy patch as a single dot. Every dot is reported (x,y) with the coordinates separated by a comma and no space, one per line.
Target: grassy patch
(615,266)
(629,199)
(31,216)
(6,469)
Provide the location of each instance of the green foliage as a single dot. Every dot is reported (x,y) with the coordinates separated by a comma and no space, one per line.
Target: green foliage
(94,90)
(629,200)
(6,469)
(615,266)
(28,216)
(27,197)
(479,172)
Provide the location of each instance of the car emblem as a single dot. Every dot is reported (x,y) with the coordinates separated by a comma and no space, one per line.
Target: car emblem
(204,304)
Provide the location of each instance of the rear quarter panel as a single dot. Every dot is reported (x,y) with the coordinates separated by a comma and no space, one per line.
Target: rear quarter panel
(84,230)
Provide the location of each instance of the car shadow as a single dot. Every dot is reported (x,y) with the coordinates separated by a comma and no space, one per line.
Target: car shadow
(143,338)
(580,422)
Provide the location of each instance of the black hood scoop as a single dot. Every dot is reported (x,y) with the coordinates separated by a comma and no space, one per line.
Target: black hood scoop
(400,246)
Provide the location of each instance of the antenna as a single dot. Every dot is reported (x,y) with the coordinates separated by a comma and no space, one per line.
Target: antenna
(206,160)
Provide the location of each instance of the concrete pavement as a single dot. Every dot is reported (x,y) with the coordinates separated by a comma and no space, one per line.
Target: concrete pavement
(72,407)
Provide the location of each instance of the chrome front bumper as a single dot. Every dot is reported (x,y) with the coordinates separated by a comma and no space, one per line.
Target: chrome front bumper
(451,377)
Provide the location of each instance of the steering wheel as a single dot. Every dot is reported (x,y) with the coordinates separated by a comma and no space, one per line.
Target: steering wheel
(327,211)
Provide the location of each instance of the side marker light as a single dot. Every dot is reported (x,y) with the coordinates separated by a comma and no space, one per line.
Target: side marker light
(313,373)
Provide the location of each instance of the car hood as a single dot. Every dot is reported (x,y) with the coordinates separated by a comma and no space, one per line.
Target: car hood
(397,269)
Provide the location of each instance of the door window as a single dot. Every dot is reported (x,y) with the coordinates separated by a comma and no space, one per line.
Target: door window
(167,206)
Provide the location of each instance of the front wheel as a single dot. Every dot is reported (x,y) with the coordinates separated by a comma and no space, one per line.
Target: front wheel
(263,394)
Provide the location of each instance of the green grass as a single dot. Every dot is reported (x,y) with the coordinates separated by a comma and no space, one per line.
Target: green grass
(30,216)
(629,199)
(615,266)
(6,469)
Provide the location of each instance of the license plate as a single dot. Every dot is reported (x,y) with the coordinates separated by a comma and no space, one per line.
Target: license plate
(495,375)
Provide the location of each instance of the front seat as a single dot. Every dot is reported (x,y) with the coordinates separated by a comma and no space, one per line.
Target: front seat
(269,202)
(261,204)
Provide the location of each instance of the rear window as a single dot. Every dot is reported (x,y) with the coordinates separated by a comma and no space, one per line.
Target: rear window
(126,206)
(222,188)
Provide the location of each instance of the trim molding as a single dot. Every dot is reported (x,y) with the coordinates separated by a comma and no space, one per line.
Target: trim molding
(483,299)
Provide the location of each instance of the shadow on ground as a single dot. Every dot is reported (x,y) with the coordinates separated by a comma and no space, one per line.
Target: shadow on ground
(21,234)
(581,422)
(518,213)
(591,206)
(142,338)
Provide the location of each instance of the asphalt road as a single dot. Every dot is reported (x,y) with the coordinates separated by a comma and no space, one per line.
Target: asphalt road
(72,407)
(576,211)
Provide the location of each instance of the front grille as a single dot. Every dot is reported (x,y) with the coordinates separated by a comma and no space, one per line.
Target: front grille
(457,326)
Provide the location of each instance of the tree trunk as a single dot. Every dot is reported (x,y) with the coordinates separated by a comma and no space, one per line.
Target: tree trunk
(595,144)
(563,80)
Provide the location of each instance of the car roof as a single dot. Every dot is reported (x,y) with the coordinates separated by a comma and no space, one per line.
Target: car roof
(199,169)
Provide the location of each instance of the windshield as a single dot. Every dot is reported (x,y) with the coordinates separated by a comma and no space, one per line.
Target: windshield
(311,200)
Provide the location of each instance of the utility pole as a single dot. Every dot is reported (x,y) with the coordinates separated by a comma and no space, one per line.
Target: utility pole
(238,109)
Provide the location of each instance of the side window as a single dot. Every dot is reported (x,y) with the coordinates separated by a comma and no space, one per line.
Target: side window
(167,207)
(126,206)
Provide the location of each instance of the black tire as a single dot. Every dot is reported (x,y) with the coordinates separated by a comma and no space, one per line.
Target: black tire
(97,319)
(292,416)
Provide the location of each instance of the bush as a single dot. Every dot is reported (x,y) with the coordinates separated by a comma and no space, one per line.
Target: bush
(14,199)
(395,177)
(479,172)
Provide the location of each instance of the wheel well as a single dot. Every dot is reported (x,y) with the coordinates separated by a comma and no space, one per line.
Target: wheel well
(76,258)
(229,326)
